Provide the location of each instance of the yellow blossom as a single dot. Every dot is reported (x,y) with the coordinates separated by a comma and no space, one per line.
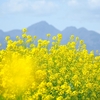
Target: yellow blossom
(24,30)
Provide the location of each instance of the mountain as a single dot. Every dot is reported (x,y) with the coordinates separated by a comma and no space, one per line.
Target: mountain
(40,29)
(91,38)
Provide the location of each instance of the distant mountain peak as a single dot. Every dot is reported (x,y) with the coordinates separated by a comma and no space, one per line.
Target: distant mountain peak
(71,28)
(43,26)
(43,22)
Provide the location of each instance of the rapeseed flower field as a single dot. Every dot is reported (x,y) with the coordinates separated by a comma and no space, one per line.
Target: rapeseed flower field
(36,71)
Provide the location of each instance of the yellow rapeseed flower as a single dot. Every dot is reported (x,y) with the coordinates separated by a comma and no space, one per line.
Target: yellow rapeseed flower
(24,35)
(35,70)
(7,38)
(81,41)
(35,37)
(54,38)
(0,44)
(24,30)
(48,35)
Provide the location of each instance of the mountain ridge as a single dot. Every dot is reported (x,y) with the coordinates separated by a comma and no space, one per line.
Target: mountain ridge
(91,38)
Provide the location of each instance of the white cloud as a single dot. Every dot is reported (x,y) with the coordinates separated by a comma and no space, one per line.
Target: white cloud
(73,3)
(94,3)
(43,6)
(12,6)
(35,6)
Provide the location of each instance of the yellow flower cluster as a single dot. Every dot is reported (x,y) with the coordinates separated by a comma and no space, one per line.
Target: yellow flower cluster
(32,71)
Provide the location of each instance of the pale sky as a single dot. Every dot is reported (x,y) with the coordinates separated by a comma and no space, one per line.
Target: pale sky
(17,14)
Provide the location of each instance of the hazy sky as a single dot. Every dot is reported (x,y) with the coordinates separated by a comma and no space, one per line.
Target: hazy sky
(16,14)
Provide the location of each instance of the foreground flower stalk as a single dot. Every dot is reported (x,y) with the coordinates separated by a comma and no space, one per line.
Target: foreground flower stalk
(38,71)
